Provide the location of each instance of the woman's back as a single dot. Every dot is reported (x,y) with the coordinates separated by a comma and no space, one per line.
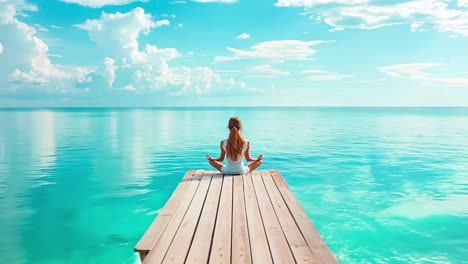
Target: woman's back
(240,157)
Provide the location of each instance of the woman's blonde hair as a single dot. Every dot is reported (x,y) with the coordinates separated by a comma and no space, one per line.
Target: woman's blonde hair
(235,142)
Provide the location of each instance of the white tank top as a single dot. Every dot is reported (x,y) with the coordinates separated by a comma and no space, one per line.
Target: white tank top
(240,158)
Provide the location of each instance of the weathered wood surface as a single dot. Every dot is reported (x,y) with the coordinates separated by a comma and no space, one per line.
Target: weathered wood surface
(215,218)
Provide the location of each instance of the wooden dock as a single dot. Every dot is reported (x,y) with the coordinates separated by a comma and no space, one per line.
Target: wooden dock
(216,218)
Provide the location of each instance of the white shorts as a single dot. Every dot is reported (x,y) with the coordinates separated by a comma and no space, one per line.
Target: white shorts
(229,169)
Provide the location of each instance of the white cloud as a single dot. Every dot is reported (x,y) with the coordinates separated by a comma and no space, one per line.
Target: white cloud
(119,32)
(198,80)
(421,15)
(161,23)
(179,80)
(228,71)
(56,27)
(166,15)
(369,81)
(266,71)
(10,8)
(129,87)
(243,36)
(410,70)
(144,69)
(321,75)
(25,56)
(216,1)
(311,3)
(40,28)
(415,71)
(7,12)
(416,26)
(180,25)
(110,70)
(54,55)
(99,3)
(462,3)
(276,51)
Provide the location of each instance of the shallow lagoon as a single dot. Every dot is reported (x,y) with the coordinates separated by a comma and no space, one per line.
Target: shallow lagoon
(382,185)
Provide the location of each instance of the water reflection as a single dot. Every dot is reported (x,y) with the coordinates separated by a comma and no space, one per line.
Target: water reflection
(113,132)
(366,177)
(43,147)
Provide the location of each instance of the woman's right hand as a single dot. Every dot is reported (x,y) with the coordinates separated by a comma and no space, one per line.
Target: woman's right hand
(208,157)
(260,157)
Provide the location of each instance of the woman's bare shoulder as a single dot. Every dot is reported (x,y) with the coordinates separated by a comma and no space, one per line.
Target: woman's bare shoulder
(223,142)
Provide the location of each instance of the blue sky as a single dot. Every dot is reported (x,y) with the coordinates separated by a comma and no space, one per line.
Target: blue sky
(233,53)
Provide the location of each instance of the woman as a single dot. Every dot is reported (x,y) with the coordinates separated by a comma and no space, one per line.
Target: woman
(235,148)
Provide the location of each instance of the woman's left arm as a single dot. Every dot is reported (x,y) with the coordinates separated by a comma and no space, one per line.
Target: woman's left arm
(247,154)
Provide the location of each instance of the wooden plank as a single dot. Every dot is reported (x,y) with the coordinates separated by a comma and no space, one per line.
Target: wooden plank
(251,218)
(259,248)
(159,223)
(180,245)
(157,253)
(221,247)
(310,234)
(200,248)
(240,232)
(278,245)
(297,244)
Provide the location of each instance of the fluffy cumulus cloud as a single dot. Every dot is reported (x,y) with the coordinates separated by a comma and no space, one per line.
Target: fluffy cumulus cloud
(421,15)
(125,65)
(118,33)
(99,3)
(275,51)
(24,56)
(199,80)
(7,12)
(133,68)
(416,71)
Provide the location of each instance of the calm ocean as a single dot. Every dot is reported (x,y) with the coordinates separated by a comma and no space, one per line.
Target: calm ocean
(382,185)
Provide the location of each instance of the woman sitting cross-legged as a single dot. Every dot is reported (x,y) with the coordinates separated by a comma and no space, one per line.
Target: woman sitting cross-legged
(235,148)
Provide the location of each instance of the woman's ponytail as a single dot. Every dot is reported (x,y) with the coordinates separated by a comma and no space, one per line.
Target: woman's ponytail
(235,141)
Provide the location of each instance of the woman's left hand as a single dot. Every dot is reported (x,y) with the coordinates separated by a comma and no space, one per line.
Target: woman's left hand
(208,157)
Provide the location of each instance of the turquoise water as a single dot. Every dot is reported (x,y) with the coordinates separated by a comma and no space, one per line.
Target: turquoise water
(382,185)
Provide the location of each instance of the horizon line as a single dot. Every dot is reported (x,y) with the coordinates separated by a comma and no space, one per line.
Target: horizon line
(208,107)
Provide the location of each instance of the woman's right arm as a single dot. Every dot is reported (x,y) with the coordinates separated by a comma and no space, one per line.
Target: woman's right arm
(223,153)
